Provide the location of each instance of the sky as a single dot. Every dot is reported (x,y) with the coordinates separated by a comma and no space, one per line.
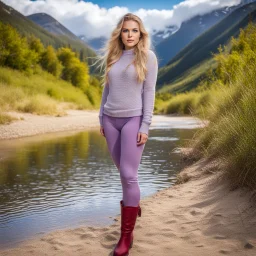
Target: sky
(98,17)
(134,5)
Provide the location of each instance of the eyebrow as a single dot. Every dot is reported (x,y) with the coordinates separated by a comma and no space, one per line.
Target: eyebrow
(132,28)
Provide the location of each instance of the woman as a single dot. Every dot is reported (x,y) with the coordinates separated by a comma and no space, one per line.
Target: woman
(126,112)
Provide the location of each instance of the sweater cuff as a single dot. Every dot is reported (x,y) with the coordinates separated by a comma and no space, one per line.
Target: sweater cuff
(100,120)
(144,128)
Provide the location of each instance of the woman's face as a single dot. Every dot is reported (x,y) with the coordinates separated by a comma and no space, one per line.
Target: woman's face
(130,34)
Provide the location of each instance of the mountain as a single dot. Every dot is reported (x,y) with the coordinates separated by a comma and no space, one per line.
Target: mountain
(186,69)
(50,24)
(27,27)
(198,26)
(95,43)
(191,29)
(159,36)
(244,2)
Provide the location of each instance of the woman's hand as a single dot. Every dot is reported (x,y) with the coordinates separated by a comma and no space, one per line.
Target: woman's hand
(142,138)
(102,131)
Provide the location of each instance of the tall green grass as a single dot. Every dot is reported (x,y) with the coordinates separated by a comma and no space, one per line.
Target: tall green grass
(189,103)
(230,106)
(42,93)
(230,135)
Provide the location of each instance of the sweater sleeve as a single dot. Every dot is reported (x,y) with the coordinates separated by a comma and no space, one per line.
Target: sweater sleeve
(149,92)
(103,101)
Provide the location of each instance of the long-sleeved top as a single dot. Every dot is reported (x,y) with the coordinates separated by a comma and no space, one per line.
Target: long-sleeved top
(123,96)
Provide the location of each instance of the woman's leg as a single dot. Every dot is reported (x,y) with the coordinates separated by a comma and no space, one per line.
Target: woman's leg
(129,162)
(113,138)
(121,136)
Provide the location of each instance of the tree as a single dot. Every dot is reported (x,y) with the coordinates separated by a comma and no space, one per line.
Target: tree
(50,62)
(14,49)
(36,45)
(74,70)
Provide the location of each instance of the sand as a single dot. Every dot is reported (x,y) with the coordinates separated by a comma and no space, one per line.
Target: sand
(199,217)
(30,124)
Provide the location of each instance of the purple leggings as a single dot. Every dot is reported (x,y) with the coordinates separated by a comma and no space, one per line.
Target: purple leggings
(121,136)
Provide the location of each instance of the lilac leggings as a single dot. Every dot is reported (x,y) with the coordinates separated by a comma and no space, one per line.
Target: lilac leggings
(121,136)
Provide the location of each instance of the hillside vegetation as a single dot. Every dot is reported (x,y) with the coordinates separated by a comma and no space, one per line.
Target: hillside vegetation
(227,98)
(35,79)
(26,27)
(189,66)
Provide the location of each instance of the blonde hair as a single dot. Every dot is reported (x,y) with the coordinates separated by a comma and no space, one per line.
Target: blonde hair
(114,47)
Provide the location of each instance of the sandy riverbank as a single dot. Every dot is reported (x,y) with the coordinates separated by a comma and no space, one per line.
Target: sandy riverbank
(29,124)
(199,217)
(75,120)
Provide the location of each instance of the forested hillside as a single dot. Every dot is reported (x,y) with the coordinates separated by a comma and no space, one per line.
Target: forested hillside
(26,27)
(226,98)
(191,64)
(36,79)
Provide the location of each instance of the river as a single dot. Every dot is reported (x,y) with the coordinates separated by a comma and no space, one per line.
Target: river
(56,182)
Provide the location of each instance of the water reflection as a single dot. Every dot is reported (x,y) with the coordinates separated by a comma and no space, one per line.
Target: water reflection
(71,181)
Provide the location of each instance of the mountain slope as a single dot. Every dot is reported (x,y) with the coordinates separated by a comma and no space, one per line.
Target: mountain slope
(189,30)
(26,27)
(175,76)
(51,25)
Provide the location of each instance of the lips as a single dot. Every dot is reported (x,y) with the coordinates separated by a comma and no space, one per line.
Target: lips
(130,41)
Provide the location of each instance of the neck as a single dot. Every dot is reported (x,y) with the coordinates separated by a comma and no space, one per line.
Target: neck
(128,51)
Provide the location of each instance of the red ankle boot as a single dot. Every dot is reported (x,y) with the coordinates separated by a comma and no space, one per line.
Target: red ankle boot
(128,220)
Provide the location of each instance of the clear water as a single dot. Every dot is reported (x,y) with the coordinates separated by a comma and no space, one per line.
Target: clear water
(66,181)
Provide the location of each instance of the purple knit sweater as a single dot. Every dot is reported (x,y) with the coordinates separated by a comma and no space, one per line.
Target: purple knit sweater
(123,96)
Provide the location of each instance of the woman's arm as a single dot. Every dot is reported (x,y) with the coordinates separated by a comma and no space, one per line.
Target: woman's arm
(149,92)
(103,101)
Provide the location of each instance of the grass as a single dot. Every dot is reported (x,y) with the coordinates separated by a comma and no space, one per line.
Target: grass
(190,78)
(231,132)
(6,119)
(228,101)
(189,103)
(42,93)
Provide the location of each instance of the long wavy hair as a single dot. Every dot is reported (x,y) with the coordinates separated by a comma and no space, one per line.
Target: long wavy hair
(114,47)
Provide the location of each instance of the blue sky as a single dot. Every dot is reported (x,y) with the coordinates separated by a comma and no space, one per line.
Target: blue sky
(135,4)
(97,18)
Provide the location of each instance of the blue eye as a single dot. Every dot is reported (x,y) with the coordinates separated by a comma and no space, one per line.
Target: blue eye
(134,30)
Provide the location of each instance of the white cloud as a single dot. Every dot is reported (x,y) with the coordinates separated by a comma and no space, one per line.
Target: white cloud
(86,18)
